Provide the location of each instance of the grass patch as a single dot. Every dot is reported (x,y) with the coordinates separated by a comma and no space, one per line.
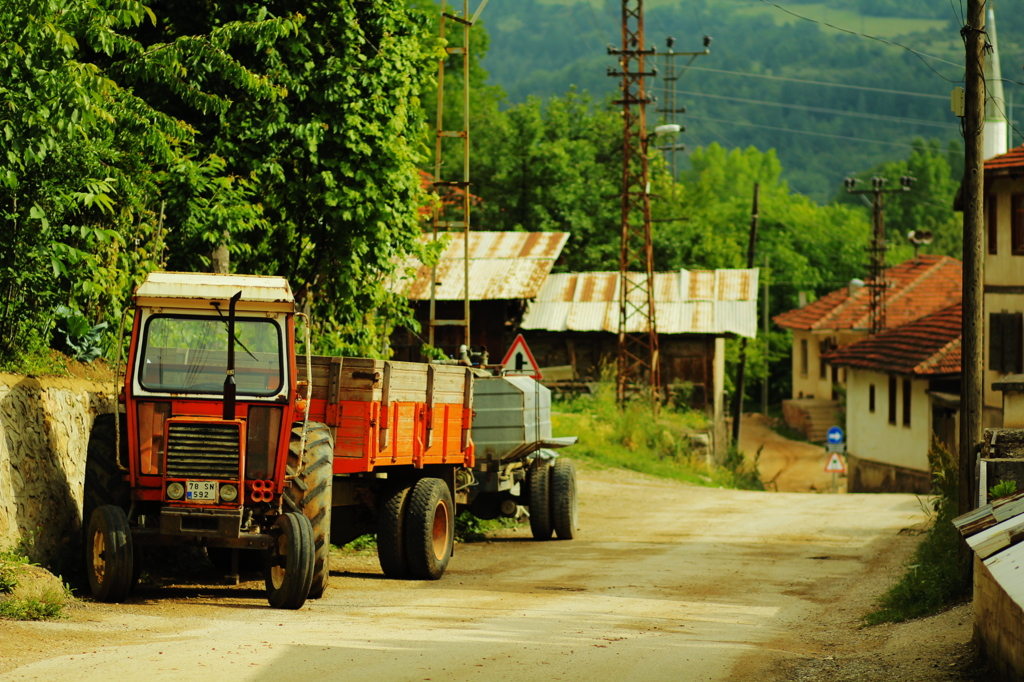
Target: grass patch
(363,543)
(630,438)
(933,581)
(469,528)
(24,596)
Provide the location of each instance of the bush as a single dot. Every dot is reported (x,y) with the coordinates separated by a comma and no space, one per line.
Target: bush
(41,601)
(630,437)
(933,581)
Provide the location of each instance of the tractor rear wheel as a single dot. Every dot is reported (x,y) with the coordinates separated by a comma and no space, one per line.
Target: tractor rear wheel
(563,499)
(310,494)
(429,529)
(104,481)
(289,563)
(110,558)
(539,482)
(391,532)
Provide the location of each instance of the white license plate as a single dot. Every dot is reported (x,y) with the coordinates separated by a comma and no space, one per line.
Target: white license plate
(203,492)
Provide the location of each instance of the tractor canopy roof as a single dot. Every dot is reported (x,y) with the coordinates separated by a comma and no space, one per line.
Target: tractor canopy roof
(202,290)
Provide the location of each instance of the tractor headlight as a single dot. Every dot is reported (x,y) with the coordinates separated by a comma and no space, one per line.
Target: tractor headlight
(175,490)
(228,492)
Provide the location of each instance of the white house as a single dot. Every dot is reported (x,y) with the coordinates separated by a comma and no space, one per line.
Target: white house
(915,288)
(902,388)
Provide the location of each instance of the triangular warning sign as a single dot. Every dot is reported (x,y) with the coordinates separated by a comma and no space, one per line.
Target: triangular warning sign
(519,360)
(835,464)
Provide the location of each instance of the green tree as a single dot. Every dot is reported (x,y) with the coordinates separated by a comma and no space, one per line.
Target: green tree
(332,161)
(84,155)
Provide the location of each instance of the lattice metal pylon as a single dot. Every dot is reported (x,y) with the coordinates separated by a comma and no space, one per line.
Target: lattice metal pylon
(638,335)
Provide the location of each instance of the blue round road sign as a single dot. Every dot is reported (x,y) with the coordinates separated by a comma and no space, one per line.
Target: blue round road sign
(835,435)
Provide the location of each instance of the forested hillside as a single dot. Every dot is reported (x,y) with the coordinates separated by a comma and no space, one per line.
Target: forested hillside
(753,87)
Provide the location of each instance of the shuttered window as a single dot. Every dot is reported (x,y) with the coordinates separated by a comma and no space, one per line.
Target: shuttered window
(906,402)
(1005,342)
(892,400)
(1017,224)
(993,230)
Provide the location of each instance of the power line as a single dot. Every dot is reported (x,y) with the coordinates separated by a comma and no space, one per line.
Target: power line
(881,117)
(802,132)
(919,55)
(834,85)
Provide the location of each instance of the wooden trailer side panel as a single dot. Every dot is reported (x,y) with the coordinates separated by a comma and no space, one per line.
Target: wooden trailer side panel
(392,413)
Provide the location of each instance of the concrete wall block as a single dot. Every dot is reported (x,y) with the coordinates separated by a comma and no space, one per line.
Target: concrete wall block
(44,437)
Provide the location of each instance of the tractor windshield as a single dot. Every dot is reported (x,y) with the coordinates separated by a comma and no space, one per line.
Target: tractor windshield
(188,354)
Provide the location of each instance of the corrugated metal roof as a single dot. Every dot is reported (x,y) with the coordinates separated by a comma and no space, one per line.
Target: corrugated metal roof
(502,265)
(686,302)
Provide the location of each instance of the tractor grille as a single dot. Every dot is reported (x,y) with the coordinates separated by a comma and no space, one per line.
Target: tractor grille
(196,450)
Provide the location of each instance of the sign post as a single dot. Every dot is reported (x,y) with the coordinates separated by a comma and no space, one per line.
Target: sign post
(836,445)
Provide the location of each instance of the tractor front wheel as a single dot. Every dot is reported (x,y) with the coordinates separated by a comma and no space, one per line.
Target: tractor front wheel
(289,565)
(110,558)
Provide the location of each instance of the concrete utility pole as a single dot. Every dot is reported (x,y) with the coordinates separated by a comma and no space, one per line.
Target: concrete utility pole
(737,404)
(972,370)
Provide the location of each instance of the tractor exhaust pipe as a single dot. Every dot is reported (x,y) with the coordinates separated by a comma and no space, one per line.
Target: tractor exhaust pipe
(230,389)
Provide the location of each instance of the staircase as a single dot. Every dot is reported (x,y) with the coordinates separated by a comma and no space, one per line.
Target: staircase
(812,416)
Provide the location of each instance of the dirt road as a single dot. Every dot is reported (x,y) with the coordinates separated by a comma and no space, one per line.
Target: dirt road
(665,582)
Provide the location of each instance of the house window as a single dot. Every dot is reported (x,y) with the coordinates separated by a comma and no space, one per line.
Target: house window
(803,357)
(871,397)
(892,400)
(1017,224)
(1005,342)
(822,368)
(906,402)
(993,231)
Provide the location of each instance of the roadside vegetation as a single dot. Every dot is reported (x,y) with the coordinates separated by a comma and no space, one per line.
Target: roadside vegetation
(933,581)
(630,438)
(27,592)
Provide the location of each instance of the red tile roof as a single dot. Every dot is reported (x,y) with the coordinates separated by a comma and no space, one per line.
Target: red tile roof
(927,347)
(1004,163)
(916,288)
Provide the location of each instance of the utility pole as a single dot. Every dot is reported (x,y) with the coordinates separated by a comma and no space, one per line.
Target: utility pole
(764,383)
(737,404)
(971,390)
(876,281)
(638,335)
(672,108)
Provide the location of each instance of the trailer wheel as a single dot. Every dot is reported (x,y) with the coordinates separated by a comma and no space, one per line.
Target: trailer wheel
(310,494)
(391,533)
(109,554)
(539,481)
(563,499)
(289,563)
(429,529)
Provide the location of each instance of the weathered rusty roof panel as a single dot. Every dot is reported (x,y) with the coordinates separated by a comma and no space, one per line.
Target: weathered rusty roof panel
(686,302)
(503,265)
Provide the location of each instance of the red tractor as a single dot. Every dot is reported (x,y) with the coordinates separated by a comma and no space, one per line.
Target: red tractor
(216,448)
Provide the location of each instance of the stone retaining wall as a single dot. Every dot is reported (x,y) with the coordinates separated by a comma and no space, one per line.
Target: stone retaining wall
(44,437)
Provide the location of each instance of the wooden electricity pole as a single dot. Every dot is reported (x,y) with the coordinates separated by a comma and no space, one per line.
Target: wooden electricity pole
(972,369)
(737,401)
